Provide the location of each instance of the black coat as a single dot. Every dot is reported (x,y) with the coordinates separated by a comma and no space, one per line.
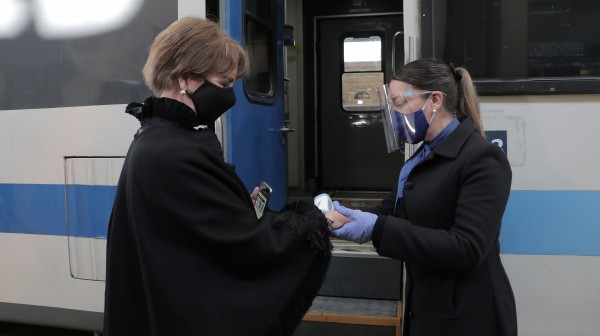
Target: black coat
(446,229)
(186,253)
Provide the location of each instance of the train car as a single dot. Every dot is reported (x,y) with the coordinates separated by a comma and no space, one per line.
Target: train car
(67,71)
(66,75)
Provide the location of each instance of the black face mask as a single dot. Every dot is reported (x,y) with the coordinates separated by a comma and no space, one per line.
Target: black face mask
(211,101)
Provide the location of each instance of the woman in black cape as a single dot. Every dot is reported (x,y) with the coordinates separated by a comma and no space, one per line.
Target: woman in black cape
(186,252)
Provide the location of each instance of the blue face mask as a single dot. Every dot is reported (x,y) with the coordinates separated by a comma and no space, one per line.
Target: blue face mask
(412,128)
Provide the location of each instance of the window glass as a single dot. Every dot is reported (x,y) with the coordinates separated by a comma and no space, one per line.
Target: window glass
(563,38)
(259,43)
(259,82)
(363,73)
(360,91)
(260,8)
(362,54)
(543,46)
(57,59)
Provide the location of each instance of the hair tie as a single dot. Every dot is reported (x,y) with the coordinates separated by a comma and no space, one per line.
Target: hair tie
(457,76)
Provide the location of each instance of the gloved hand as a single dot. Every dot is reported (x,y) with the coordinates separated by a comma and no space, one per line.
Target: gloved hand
(360,229)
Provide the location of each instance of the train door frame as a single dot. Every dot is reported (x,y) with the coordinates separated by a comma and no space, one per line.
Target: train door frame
(308,181)
(357,130)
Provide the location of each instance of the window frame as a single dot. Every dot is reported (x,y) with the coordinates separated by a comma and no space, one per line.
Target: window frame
(508,86)
(359,34)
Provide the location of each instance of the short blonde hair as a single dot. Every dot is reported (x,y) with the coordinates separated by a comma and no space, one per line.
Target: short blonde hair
(191,47)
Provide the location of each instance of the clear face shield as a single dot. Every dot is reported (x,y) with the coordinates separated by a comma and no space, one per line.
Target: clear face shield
(399,127)
(390,123)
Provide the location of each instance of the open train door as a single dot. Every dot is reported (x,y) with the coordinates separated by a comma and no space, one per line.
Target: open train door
(254,129)
(356,55)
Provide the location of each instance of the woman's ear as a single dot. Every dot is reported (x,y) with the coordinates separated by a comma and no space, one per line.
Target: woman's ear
(437,100)
(182,83)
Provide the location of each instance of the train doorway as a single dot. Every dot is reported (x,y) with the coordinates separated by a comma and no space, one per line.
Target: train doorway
(355,55)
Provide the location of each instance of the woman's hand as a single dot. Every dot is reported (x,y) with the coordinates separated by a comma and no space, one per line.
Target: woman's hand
(359,229)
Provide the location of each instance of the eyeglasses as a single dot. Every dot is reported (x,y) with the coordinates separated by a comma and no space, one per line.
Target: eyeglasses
(400,98)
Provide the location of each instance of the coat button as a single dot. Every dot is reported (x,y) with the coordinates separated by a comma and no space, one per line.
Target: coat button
(408,185)
(411,315)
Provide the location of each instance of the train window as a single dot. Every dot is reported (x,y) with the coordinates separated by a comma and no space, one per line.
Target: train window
(518,47)
(54,58)
(362,53)
(363,73)
(259,35)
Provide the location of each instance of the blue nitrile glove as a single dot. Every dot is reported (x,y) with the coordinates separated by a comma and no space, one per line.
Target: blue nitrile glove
(360,229)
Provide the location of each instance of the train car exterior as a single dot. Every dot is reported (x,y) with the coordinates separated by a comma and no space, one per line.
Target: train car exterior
(65,78)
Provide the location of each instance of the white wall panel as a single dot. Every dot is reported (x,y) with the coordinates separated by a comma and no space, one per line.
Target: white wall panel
(553,140)
(555,295)
(35,142)
(34,255)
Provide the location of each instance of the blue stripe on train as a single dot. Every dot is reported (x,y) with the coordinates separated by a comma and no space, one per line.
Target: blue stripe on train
(535,222)
(552,222)
(40,209)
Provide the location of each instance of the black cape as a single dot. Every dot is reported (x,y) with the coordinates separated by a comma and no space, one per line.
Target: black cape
(186,253)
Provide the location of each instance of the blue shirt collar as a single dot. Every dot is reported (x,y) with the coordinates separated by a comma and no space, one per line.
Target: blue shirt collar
(443,134)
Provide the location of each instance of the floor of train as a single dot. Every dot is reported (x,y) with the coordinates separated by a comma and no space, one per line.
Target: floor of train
(352,199)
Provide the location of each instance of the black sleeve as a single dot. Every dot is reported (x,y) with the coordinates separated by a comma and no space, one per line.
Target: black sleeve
(387,204)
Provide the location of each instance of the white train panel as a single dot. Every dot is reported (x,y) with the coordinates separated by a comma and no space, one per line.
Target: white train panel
(555,295)
(551,139)
(37,141)
(35,271)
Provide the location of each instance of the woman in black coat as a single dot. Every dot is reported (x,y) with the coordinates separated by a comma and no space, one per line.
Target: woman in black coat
(187,254)
(443,219)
